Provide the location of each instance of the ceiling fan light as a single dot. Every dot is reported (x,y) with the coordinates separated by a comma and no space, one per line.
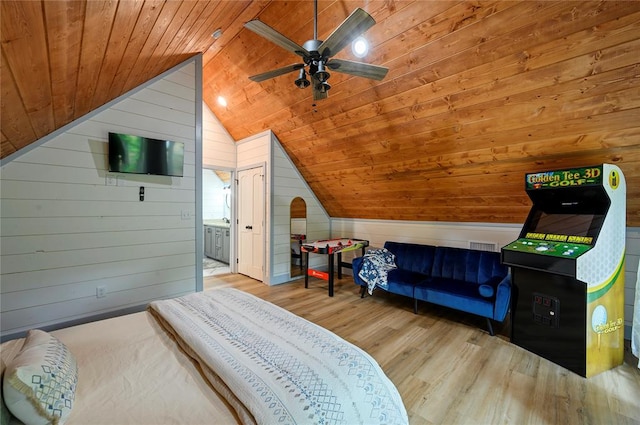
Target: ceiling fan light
(360,47)
(302,82)
(323,87)
(321,74)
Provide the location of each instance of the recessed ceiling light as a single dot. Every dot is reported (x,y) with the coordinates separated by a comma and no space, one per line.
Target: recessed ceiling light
(360,47)
(217,33)
(222,101)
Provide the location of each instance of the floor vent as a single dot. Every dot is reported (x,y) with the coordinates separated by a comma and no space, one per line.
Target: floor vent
(483,246)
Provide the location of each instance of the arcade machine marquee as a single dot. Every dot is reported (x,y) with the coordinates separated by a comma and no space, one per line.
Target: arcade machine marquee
(567,269)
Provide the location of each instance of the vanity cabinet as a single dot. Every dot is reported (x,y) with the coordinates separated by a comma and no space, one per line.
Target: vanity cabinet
(208,241)
(226,245)
(217,243)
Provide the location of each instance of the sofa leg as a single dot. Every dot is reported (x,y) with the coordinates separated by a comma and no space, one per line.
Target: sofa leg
(363,291)
(415,306)
(490,326)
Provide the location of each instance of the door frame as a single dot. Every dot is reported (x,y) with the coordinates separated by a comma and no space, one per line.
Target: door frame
(232,215)
(236,236)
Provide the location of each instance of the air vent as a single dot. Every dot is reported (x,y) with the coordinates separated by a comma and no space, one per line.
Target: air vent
(483,246)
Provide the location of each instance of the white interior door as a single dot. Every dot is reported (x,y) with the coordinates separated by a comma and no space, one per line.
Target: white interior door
(251,222)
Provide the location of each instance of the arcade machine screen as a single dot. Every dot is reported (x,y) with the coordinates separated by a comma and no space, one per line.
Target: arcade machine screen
(557,232)
(563,224)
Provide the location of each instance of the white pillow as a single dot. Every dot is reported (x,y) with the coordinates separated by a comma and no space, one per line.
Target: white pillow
(39,384)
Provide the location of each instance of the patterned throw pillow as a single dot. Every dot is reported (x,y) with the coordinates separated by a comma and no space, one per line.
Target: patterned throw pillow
(40,382)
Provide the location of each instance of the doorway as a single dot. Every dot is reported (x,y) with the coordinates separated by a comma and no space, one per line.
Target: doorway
(217,214)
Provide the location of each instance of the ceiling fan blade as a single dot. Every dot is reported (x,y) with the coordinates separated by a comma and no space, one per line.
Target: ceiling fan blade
(275,37)
(276,72)
(359,69)
(317,94)
(358,22)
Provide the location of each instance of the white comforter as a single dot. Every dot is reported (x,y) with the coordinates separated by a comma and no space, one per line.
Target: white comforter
(280,367)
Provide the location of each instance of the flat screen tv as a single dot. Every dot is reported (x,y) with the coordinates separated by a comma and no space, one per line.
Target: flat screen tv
(143,155)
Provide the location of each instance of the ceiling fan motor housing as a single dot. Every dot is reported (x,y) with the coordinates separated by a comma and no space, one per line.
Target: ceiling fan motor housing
(312,47)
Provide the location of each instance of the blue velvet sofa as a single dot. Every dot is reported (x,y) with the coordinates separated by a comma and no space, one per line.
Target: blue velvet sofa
(464,279)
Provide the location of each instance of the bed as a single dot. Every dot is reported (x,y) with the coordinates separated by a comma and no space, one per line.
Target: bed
(221,356)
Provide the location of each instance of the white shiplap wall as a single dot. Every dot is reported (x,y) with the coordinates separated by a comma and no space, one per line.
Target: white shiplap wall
(254,151)
(460,234)
(630,276)
(287,185)
(218,147)
(429,233)
(65,230)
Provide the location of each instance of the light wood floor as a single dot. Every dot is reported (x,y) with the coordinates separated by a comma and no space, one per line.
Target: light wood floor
(446,366)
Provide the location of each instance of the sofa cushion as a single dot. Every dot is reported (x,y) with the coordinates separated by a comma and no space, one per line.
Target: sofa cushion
(467,265)
(455,294)
(412,257)
(401,281)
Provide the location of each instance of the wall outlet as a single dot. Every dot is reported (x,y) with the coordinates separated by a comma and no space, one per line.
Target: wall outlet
(111,180)
(185,215)
(101,291)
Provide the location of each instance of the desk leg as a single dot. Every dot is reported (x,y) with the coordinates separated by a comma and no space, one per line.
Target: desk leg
(339,265)
(306,269)
(330,275)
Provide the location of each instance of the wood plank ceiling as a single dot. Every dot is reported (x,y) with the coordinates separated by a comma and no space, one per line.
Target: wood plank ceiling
(478,93)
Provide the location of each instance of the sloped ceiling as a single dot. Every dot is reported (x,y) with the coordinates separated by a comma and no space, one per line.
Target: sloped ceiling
(478,93)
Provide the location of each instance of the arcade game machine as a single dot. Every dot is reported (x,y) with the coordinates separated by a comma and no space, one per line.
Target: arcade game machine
(567,269)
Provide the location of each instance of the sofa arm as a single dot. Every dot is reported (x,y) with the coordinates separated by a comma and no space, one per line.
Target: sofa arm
(356,265)
(503,298)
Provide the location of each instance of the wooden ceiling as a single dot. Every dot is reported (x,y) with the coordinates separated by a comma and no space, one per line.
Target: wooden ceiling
(478,92)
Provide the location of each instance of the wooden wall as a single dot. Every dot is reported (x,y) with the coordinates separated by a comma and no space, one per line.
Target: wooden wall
(68,227)
(478,94)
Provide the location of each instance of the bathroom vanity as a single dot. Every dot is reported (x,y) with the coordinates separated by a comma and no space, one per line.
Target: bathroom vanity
(217,240)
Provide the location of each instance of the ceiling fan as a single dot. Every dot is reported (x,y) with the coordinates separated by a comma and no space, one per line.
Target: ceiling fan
(317,55)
